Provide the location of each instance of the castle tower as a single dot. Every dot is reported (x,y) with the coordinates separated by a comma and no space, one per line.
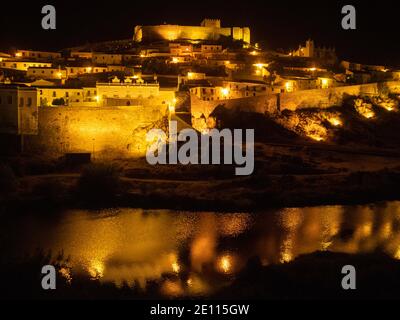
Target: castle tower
(213,23)
(309,50)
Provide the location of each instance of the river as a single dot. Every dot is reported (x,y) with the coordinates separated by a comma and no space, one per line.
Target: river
(206,248)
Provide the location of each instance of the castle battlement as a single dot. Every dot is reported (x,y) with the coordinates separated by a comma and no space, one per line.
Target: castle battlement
(209,29)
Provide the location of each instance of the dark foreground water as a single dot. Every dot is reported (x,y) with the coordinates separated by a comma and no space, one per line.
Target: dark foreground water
(207,249)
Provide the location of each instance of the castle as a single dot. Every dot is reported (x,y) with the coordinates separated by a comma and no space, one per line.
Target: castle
(311,51)
(209,29)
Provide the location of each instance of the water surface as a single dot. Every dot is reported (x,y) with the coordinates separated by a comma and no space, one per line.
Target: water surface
(200,251)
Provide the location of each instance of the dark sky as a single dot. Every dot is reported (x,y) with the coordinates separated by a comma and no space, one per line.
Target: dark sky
(280,23)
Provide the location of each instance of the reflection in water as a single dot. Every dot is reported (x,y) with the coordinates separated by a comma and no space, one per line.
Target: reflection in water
(225,263)
(199,251)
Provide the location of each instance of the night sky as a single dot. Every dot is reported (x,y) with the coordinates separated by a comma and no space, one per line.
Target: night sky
(280,24)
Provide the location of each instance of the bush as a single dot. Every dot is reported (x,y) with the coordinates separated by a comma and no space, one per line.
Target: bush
(50,190)
(99,182)
(8,181)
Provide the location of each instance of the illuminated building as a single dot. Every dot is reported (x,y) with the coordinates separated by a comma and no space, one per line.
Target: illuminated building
(208,30)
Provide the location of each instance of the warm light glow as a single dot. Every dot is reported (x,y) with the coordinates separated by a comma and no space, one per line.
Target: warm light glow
(59,74)
(312,69)
(175,60)
(142,55)
(175,267)
(225,263)
(97,98)
(18,54)
(324,83)
(253,53)
(364,109)
(315,137)
(66,274)
(335,121)
(289,86)
(96,269)
(387,106)
(397,254)
(261,65)
(89,69)
(369,115)
(225,91)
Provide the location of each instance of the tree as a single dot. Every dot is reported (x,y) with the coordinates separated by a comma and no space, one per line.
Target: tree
(58,102)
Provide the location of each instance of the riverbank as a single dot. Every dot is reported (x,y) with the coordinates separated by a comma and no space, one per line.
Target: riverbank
(284,176)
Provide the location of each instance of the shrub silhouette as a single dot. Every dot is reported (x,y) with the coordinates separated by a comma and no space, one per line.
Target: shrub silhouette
(99,182)
(8,181)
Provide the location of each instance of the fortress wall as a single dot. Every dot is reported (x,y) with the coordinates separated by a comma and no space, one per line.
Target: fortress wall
(201,110)
(174,32)
(110,132)
(325,98)
(316,98)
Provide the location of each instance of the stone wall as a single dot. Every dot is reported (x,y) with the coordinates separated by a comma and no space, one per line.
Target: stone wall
(106,132)
(271,103)
(324,98)
(201,110)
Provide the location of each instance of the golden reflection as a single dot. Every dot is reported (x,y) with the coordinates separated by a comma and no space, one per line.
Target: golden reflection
(172,288)
(225,263)
(202,249)
(233,224)
(397,254)
(139,246)
(286,251)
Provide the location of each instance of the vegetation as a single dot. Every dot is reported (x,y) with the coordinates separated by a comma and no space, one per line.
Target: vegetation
(8,181)
(99,183)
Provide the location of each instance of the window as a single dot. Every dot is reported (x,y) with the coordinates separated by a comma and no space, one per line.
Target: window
(29,103)
(21,102)
(0,100)
(54,94)
(67,94)
(9,99)
(41,92)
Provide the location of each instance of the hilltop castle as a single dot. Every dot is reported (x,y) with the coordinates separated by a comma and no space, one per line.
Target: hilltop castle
(209,29)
